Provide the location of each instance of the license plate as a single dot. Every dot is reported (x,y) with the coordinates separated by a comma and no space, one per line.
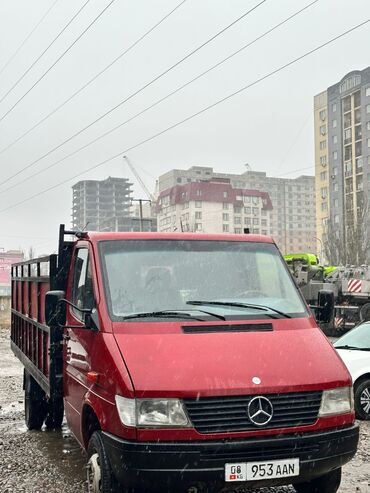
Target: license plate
(256,471)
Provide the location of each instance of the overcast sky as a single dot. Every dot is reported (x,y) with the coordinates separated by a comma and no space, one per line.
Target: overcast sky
(269,126)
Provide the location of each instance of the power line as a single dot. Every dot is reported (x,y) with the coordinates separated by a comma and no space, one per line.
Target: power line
(52,165)
(136,92)
(82,88)
(43,52)
(11,58)
(194,115)
(58,59)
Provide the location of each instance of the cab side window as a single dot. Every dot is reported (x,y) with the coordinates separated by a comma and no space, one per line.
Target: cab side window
(82,288)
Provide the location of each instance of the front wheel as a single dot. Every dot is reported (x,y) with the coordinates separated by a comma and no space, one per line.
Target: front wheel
(325,484)
(100,477)
(362,400)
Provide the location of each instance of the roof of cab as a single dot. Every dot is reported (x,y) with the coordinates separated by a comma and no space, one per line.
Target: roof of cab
(98,236)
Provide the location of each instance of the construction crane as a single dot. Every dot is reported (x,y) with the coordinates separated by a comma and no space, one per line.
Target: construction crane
(138,177)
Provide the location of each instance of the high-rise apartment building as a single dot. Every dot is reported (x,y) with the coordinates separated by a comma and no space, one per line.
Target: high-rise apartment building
(342,154)
(292,218)
(101,205)
(213,207)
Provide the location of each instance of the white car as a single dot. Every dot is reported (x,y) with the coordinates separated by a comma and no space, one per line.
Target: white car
(354,349)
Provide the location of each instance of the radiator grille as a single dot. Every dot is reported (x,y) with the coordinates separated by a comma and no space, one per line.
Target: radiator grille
(230,413)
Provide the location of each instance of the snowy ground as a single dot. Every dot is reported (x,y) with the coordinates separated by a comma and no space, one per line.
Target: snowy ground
(40,462)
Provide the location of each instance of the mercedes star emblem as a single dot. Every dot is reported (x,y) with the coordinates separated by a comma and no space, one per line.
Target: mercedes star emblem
(260,411)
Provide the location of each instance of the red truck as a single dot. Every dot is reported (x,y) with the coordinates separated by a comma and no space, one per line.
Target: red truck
(182,362)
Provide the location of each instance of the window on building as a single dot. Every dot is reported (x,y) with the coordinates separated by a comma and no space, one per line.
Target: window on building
(247,210)
(225,195)
(256,221)
(358,149)
(199,193)
(198,215)
(368,125)
(347,135)
(346,104)
(225,228)
(324,192)
(357,116)
(323,130)
(238,231)
(335,171)
(225,216)
(237,209)
(368,91)
(334,107)
(335,155)
(263,212)
(247,220)
(237,220)
(323,175)
(347,153)
(263,222)
(255,210)
(347,120)
(255,231)
(323,145)
(335,139)
(368,108)
(323,115)
(336,203)
(358,132)
(179,180)
(336,218)
(198,226)
(323,160)
(357,99)
(225,206)
(198,204)
(335,187)
(368,142)
(335,123)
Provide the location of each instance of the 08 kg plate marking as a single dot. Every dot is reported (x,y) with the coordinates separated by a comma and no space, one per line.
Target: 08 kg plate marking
(257,471)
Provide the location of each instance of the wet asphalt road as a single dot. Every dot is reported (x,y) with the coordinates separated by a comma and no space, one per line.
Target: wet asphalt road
(52,462)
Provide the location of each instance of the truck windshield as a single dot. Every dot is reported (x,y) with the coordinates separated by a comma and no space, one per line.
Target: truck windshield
(147,276)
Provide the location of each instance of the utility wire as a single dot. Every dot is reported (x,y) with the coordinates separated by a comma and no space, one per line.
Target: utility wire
(58,59)
(136,92)
(45,50)
(194,115)
(82,88)
(27,38)
(52,165)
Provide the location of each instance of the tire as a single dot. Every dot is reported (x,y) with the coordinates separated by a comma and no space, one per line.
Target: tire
(362,400)
(325,484)
(55,414)
(35,406)
(365,312)
(100,477)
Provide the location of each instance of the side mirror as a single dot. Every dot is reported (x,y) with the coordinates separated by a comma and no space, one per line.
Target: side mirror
(55,311)
(91,320)
(325,309)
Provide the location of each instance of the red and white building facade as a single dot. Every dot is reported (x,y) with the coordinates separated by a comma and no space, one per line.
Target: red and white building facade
(213,207)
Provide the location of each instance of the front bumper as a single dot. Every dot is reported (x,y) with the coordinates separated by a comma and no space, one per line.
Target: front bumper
(176,466)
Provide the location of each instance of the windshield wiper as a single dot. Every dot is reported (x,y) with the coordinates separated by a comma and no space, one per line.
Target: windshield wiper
(355,348)
(172,314)
(238,305)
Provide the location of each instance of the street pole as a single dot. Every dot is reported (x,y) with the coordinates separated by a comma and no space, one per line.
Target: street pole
(141,211)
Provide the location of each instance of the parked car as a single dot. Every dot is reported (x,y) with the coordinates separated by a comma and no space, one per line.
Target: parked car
(354,349)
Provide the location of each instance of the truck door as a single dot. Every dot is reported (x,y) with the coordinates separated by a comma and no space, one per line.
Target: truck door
(79,341)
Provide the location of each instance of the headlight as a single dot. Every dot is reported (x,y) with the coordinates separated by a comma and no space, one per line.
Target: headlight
(152,413)
(336,401)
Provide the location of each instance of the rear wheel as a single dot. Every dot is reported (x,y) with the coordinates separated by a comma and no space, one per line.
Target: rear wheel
(325,484)
(35,405)
(362,400)
(100,477)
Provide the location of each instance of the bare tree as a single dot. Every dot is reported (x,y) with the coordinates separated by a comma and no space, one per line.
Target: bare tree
(351,247)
